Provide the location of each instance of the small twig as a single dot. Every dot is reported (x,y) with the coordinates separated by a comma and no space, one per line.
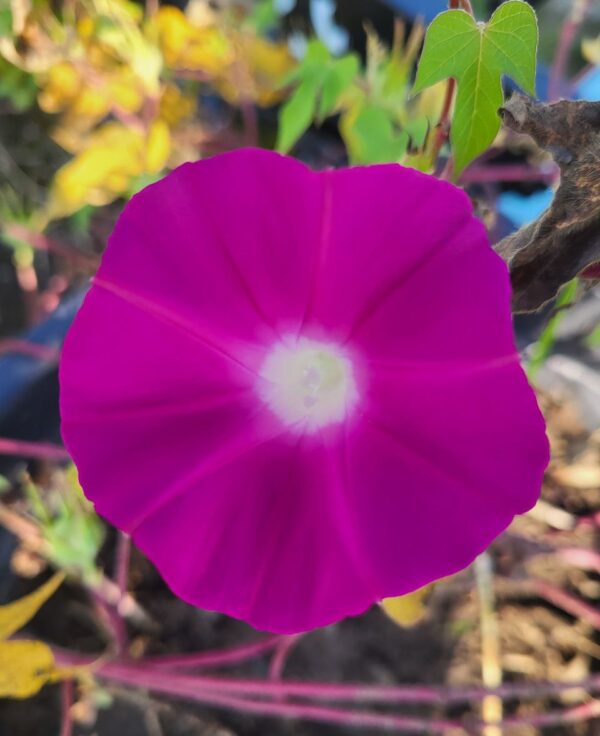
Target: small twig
(217,658)
(122,556)
(281,654)
(66,728)
(578,714)
(443,126)
(586,559)
(44,243)
(568,603)
(569,30)
(491,669)
(35,450)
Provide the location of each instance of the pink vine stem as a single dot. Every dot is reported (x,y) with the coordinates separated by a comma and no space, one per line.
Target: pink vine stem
(568,33)
(44,243)
(31,349)
(143,674)
(35,450)
(216,658)
(281,654)
(254,697)
(66,728)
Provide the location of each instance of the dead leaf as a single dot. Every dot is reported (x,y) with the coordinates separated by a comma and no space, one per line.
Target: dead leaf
(565,241)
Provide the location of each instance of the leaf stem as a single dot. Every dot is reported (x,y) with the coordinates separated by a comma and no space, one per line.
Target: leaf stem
(443,126)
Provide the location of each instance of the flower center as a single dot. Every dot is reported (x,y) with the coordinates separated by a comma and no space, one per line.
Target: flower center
(308,384)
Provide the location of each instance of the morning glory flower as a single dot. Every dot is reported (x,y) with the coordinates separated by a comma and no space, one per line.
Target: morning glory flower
(298,391)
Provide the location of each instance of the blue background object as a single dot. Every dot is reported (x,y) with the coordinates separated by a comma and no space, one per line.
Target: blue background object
(589,86)
(521,209)
(427,9)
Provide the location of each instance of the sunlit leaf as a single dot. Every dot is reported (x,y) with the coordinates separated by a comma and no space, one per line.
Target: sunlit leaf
(25,667)
(407,610)
(371,136)
(111,158)
(188,46)
(321,80)
(13,616)
(339,76)
(298,112)
(477,55)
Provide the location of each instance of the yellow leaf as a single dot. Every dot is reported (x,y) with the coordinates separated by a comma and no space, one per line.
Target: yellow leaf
(186,46)
(175,106)
(113,155)
(407,610)
(158,147)
(256,72)
(591,49)
(13,616)
(25,667)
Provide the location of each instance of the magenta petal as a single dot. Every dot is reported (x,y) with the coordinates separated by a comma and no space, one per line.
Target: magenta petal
(263,539)
(239,245)
(299,391)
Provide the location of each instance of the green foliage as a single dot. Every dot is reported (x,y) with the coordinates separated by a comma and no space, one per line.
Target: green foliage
(16,85)
(6,21)
(593,339)
(477,55)
(321,80)
(371,136)
(543,347)
(72,531)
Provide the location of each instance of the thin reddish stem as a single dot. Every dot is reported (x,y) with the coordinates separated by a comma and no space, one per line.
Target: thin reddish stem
(144,675)
(561,599)
(281,654)
(479,174)
(35,450)
(224,697)
(122,557)
(44,243)
(30,349)
(66,728)
(569,30)
(215,658)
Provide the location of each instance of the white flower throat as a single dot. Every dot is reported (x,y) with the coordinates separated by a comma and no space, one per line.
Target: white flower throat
(308,384)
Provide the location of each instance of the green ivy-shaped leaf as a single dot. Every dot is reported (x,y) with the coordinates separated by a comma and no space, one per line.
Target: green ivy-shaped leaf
(477,55)
(321,80)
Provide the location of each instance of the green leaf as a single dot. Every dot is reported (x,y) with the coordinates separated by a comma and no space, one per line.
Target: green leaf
(371,136)
(342,73)
(477,55)
(6,21)
(321,80)
(543,347)
(593,339)
(297,114)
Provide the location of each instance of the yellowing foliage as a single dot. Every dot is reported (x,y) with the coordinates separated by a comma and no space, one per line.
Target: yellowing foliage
(407,610)
(190,47)
(112,157)
(591,50)
(26,666)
